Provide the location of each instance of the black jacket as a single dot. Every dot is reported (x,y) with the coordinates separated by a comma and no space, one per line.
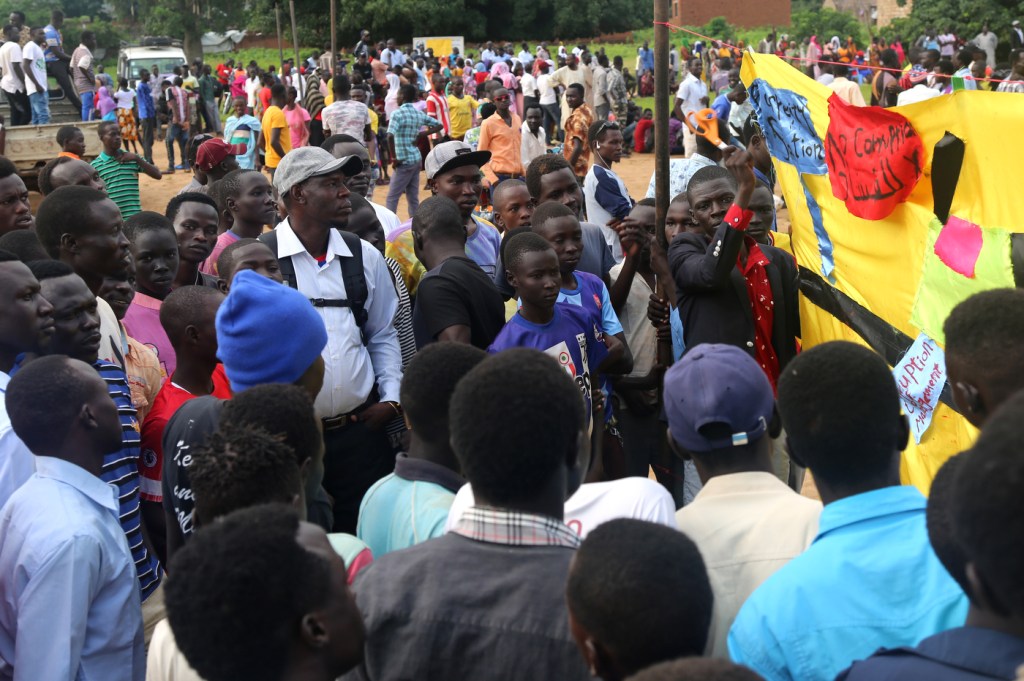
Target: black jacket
(713,302)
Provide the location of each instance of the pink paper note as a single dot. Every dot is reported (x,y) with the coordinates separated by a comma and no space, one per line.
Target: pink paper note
(959,245)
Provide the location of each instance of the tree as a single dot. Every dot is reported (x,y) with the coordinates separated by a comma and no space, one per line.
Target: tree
(185,19)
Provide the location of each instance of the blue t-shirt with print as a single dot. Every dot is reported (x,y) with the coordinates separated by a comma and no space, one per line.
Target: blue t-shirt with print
(573,337)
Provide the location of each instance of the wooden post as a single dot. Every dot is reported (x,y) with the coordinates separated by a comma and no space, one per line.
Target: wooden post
(662,145)
(334,33)
(295,35)
(662,111)
(280,44)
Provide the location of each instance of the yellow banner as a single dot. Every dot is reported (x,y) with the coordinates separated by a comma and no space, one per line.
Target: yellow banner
(864,186)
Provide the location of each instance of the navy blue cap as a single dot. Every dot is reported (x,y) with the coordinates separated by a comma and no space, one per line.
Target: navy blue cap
(715,383)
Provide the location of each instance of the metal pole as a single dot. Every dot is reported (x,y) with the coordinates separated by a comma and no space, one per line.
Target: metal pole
(662,146)
(280,45)
(295,34)
(334,33)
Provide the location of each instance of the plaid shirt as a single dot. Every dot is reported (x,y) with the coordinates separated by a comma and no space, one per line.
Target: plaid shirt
(576,126)
(404,125)
(498,526)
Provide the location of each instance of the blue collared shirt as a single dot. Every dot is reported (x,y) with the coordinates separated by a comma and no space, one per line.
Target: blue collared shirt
(961,654)
(869,580)
(16,463)
(69,598)
(144,95)
(408,506)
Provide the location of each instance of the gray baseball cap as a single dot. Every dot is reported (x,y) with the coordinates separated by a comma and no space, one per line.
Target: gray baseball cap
(451,155)
(298,165)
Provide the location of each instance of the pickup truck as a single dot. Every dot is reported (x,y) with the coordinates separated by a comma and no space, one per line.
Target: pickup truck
(29,147)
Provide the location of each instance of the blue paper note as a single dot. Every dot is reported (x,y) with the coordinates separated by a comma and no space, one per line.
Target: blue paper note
(788,130)
(920,376)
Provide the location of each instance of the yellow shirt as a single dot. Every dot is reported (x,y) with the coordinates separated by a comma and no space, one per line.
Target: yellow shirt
(274,118)
(374,121)
(460,113)
(401,251)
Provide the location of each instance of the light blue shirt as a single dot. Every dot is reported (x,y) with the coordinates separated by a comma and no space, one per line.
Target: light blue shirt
(869,580)
(408,506)
(16,463)
(69,597)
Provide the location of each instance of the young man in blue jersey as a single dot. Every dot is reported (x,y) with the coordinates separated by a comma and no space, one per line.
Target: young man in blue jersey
(557,224)
(569,333)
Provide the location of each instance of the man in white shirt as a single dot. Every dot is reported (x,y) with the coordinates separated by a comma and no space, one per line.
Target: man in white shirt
(549,100)
(746,523)
(13,81)
(362,359)
(987,40)
(692,95)
(525,57)
(389,54)
(34,60)
(846,89)
(601,106)
(534,142)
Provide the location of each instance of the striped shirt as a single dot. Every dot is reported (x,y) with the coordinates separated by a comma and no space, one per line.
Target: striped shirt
(121,468)
(122,180)
(406,337)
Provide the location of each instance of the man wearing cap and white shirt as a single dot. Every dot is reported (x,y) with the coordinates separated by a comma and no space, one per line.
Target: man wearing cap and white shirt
(362,360)
(745,521)
(453,170)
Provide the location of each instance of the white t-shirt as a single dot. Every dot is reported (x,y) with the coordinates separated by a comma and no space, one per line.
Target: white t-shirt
(10,54)
(388,220)
(598,502)
(124,98)
(547,93)
(252,86)
(33,54)
(528,84)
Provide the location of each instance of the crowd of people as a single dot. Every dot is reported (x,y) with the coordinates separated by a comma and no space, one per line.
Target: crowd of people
(272,432)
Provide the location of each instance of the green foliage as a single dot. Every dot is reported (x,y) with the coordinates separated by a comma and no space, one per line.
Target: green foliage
(476,20)
(826,23)
(965,16)
(720,29)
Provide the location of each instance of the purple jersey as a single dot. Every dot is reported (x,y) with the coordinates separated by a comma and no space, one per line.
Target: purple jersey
(573,337)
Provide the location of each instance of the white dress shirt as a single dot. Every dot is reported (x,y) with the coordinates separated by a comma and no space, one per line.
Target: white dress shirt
(350,367)
(747,526)
(691,91)
(69,598)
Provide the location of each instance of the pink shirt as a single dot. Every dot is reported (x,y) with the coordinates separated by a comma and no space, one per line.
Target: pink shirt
(209,265)
(297,118)
(142,322)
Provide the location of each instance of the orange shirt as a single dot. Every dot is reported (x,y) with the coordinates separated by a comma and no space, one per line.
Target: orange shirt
(577,125)
(504,142)
(69,155)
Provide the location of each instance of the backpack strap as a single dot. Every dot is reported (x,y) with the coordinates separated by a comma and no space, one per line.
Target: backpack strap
(351,274)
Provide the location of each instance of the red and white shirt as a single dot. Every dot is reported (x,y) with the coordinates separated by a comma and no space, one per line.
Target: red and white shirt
(437,107)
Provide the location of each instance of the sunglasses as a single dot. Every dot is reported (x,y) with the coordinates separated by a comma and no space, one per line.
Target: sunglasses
(503,98)
(606,125)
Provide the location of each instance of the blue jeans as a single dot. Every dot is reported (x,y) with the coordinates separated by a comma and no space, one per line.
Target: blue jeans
(40,102)
(176,132)
(87,105)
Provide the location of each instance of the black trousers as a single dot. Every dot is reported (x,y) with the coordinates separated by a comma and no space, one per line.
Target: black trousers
(355,457)
(59,70)
(21,110)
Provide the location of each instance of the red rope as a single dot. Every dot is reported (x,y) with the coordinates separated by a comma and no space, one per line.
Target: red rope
(853,66)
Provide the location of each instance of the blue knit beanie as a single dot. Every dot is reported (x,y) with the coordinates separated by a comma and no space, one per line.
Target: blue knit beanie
(266,332)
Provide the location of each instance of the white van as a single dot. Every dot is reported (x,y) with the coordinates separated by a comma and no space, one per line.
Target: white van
(164,53)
